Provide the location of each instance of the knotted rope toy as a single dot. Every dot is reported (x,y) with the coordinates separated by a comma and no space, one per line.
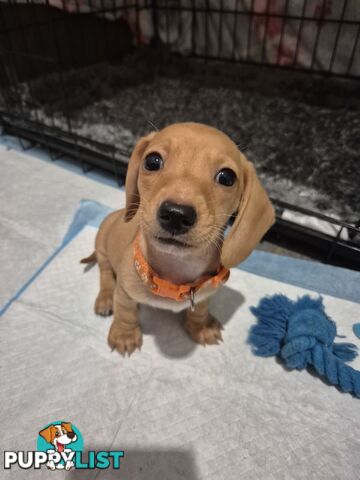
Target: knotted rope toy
(301,334)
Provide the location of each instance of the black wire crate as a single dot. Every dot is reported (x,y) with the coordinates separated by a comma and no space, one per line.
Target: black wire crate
(308,35)
(87,78)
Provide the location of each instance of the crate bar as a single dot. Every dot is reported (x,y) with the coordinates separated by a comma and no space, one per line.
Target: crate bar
(67,147)
(283,25)
(299,35)
(318,31)
(250,30)
(335,251)
(264,39)
(333,54)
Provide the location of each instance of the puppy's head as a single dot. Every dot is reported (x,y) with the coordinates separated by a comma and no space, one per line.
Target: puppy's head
(185,182)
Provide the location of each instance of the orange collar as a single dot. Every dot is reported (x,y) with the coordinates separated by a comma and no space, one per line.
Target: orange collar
(166,289)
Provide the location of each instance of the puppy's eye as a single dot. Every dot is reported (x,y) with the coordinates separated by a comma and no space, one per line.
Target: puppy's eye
(56,434)
(153,162)
(226,177)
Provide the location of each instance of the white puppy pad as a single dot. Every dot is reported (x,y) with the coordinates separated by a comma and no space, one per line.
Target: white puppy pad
(37,202)
(178,410)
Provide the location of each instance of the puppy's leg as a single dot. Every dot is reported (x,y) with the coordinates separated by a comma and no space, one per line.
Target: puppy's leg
(104,300)
(125,334)
(202,327)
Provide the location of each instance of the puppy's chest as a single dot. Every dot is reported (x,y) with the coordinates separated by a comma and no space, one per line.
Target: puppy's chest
(168,304)
(141,293)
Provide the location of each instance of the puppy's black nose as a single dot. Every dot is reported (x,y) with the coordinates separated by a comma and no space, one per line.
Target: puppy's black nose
(176,218)
(71,434)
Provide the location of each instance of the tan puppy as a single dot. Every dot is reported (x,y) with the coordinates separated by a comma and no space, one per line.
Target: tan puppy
(183,185)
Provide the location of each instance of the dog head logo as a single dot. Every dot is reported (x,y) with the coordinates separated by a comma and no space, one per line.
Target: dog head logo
(59,435)
(60,440)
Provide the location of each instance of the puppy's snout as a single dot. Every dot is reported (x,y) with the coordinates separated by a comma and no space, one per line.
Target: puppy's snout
(71,434)
(176,218)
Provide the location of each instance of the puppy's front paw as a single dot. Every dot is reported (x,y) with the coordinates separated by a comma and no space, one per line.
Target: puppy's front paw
(208,333)
(104,303)
(124,342)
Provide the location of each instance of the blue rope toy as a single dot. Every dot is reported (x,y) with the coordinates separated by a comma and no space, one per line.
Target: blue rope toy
(302,334)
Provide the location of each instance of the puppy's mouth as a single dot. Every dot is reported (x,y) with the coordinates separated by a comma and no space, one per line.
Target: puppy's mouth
(173,241)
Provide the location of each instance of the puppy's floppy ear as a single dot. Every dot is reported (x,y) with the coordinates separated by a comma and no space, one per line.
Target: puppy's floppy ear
(67,426)
(131,188)
(254,217)
(48,433)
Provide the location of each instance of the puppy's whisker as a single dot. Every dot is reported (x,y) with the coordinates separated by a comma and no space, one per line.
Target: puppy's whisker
(243,146)
(151,124)
(208,240)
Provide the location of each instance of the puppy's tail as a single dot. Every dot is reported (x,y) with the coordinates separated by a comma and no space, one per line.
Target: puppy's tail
(90,259)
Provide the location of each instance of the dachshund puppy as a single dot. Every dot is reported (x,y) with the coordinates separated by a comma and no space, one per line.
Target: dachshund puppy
(168,247)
